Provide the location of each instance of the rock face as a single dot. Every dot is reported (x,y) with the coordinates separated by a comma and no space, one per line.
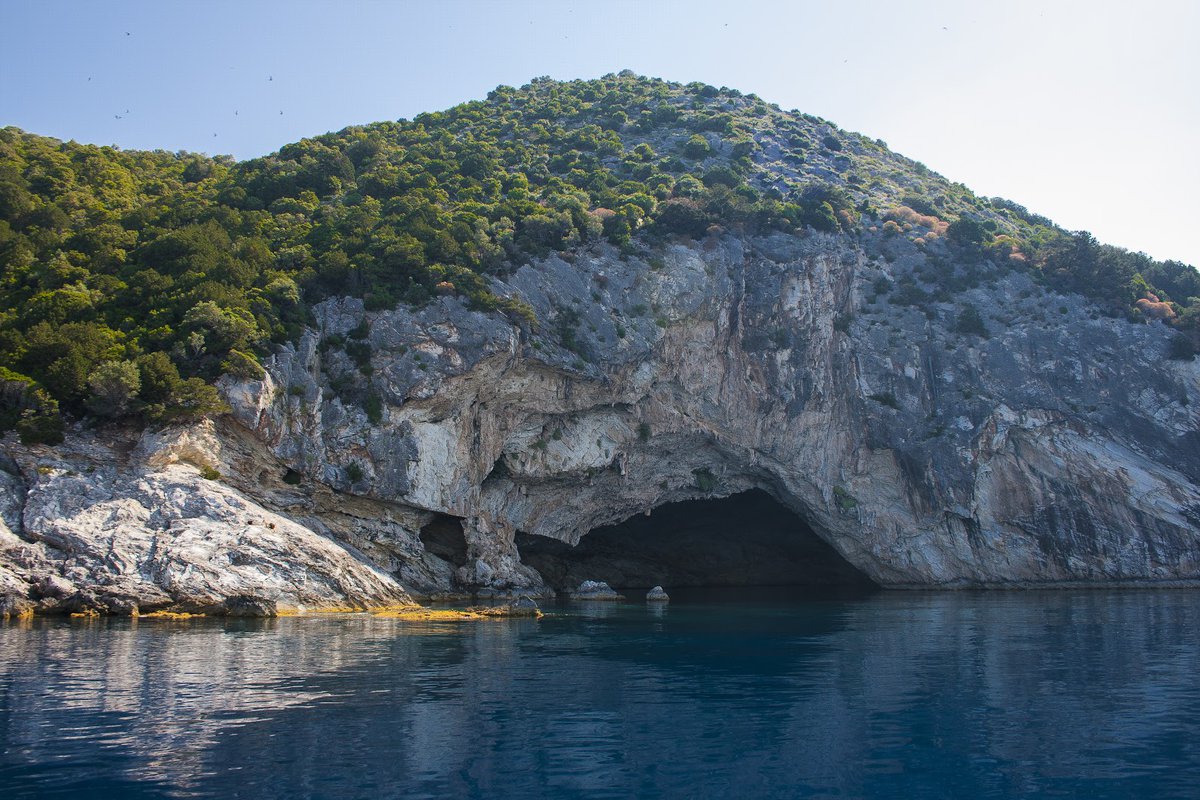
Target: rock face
(1061,447)
(98,526)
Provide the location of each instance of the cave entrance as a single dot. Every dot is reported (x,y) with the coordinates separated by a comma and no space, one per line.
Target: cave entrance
(443,536)
(747,539)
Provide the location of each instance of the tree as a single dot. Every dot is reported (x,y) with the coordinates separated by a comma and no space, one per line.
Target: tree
(114,384)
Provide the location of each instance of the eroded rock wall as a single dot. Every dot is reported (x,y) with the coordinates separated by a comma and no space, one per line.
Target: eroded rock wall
(1061,447)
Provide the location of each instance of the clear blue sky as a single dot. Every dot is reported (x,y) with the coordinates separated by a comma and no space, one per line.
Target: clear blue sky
(1086,112)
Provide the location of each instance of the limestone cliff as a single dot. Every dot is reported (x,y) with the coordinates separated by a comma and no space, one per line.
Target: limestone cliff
(1054,444)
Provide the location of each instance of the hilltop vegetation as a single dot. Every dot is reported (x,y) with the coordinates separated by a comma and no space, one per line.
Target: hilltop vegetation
(129,281)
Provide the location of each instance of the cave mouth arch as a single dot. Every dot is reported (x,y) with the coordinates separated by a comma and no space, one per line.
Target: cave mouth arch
(747,539)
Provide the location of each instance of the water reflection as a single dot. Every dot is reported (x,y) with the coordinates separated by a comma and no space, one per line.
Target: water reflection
(923,694)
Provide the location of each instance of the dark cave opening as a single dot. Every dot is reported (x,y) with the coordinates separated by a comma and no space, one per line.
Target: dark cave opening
(748,539)
(443,537)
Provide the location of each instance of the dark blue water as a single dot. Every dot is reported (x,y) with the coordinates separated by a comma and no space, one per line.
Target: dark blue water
(1063,694)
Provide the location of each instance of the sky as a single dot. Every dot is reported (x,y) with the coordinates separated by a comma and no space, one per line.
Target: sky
(1085,112)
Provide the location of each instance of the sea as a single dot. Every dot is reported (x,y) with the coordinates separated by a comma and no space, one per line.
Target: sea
(720,693)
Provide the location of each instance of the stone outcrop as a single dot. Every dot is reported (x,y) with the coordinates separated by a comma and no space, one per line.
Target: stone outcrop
(595,590)
(102,525)
(1061,447)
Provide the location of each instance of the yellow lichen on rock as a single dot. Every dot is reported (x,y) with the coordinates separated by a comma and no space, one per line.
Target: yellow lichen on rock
(422,614)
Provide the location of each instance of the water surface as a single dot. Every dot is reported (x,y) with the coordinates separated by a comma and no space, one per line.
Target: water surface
(1055,694)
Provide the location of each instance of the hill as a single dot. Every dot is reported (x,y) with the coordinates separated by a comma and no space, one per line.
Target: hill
(132,280)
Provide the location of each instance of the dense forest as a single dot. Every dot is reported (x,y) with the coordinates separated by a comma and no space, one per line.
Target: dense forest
(132,280)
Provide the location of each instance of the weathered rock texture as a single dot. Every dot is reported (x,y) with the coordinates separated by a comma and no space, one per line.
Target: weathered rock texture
(1063,447)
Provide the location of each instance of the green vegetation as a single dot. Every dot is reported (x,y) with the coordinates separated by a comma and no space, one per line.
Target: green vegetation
(845,501)
(970,322)
(705,480)
(130,281)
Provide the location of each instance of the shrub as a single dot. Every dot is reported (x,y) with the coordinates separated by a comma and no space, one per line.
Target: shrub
(683,216)
(40,429)
(913,217)
(696,147)
(705,480)
(970,322)
(373,405)
(241,364)
(354,472)
(966,231)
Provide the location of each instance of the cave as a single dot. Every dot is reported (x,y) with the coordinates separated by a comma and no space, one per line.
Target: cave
(747,539)
(443,537)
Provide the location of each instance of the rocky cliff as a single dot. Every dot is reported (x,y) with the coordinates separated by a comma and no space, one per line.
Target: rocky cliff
(1034,442)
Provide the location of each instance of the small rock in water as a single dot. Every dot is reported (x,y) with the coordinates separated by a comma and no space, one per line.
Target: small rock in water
(595,590)
(523,606)
(245,605)
(657,595)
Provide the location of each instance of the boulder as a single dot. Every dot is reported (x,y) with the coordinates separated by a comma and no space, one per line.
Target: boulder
(524,606)
(595,590)
(657,595)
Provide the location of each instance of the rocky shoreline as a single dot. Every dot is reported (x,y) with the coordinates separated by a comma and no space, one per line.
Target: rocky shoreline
(1061,450)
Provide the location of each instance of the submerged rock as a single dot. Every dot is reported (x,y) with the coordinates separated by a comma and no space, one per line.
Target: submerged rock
(657,595)
(250,606)
(595,590)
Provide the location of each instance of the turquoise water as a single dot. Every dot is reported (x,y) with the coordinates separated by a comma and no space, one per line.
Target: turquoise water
(1050,694)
